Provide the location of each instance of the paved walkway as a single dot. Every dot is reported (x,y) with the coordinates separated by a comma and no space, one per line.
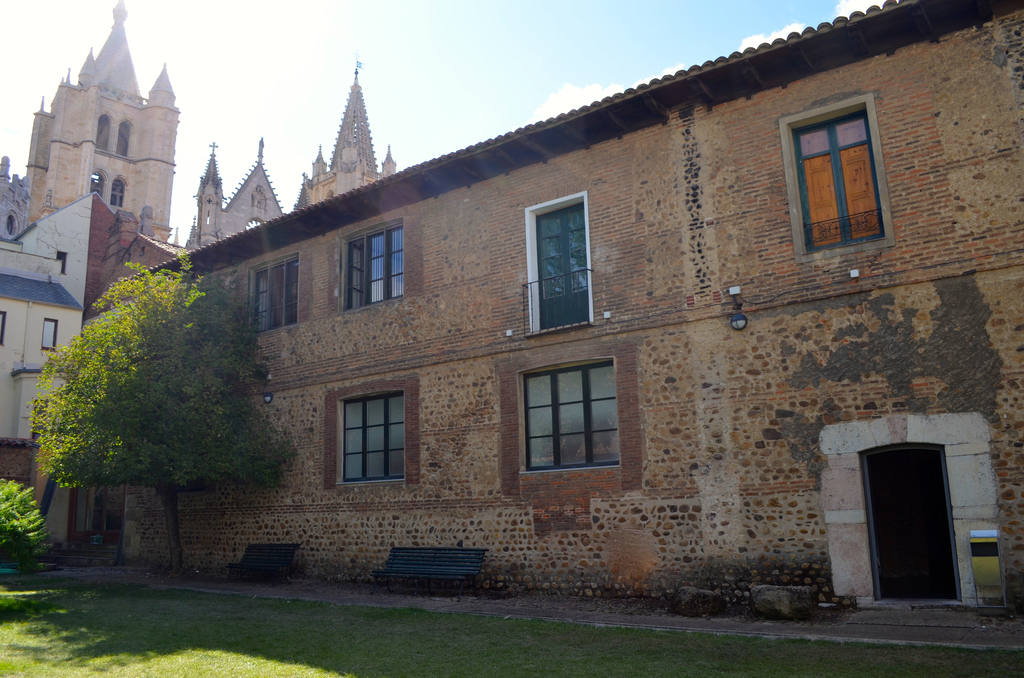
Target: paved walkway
(901,624)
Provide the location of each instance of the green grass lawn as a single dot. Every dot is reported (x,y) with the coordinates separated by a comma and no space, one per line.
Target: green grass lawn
(66,628)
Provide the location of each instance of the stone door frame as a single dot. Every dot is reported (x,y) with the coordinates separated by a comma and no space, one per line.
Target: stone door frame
(965,439)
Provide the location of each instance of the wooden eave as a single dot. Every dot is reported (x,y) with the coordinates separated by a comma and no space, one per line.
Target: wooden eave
(830,46)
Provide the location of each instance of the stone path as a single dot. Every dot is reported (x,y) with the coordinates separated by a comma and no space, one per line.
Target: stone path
(895,623)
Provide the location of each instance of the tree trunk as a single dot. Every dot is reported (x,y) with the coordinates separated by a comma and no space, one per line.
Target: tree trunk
(169,497)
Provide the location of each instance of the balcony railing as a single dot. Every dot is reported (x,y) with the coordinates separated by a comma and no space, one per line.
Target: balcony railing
(845,229)
(557,301)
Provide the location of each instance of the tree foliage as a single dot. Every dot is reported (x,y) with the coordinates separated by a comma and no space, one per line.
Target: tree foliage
(159,391)
(22,527)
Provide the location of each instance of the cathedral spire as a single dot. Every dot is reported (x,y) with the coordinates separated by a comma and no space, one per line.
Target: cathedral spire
(161,92)
(120,13)
(88,71)
(211,176)
(354,146)
(114,67)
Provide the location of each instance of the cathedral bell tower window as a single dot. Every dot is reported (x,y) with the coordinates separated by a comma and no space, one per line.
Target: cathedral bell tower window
(103,133)
(124,133)
(117,193)
(96,183)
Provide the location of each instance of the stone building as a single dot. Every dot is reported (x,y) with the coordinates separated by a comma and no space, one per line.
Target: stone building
(353,163)
(100,135)
(14,201)
(759,321)
(253,203)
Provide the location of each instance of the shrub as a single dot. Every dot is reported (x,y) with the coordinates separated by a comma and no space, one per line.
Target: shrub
(22,527)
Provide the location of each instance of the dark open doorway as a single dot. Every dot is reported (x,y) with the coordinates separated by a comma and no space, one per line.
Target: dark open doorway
(910,524)
(95,513)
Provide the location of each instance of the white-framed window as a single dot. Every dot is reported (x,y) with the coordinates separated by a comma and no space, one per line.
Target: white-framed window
(49,333)
(559,290)
(835,179)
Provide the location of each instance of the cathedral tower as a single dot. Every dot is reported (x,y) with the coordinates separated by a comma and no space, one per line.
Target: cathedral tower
(101,135)
(353,163)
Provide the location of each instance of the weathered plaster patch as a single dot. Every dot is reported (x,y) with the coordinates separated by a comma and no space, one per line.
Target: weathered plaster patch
(891,346)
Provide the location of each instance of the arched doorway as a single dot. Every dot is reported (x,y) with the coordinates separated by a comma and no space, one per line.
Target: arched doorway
(910,523)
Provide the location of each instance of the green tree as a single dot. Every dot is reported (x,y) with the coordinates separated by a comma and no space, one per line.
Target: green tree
(22,527)
(160,391)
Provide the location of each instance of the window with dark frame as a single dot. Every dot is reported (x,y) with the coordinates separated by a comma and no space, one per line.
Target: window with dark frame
(62,257)
(376,268)
(838,188)
(564,278)
(571,417)
(49,333)
(276,295)
(3,325)
(373,438)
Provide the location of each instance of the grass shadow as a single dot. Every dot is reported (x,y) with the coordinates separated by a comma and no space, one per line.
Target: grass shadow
(83,627)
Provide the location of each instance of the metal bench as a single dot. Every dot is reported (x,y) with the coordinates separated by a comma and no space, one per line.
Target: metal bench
(265,559)
(430,563)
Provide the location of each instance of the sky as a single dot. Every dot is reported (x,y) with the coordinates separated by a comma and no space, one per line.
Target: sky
(437,75)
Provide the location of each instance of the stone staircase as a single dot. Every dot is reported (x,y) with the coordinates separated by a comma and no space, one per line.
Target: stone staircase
(72,554)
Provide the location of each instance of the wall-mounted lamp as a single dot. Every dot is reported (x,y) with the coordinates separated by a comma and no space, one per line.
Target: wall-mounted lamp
(268,397)
(737,320)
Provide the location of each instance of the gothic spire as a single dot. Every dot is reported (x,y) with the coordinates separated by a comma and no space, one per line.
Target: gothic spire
(162,84)
(114,67)
(88,70)
(354,145)
(212,176)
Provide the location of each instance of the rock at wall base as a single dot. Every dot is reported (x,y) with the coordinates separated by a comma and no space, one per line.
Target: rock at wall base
(782,602)
(693,602)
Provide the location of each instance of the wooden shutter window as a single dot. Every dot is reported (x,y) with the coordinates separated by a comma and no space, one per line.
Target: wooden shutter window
(821,201)
(861,205)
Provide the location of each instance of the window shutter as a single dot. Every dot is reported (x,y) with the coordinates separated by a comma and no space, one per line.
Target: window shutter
(860,192)
(821,201)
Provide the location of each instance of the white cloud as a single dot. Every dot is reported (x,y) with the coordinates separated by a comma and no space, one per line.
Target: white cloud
(755,40)
(571,96)
(671,70)
(842,8)
(848,7)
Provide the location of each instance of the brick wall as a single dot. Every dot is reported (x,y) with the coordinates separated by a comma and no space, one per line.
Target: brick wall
(16,463)
(720,476)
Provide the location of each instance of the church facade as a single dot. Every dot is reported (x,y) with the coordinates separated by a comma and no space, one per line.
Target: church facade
(253,203)
(353,165)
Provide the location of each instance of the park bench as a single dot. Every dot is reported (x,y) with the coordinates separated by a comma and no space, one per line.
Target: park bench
(431,563)
(265,559)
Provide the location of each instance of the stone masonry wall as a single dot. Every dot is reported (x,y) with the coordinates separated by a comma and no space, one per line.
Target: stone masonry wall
(720,477)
